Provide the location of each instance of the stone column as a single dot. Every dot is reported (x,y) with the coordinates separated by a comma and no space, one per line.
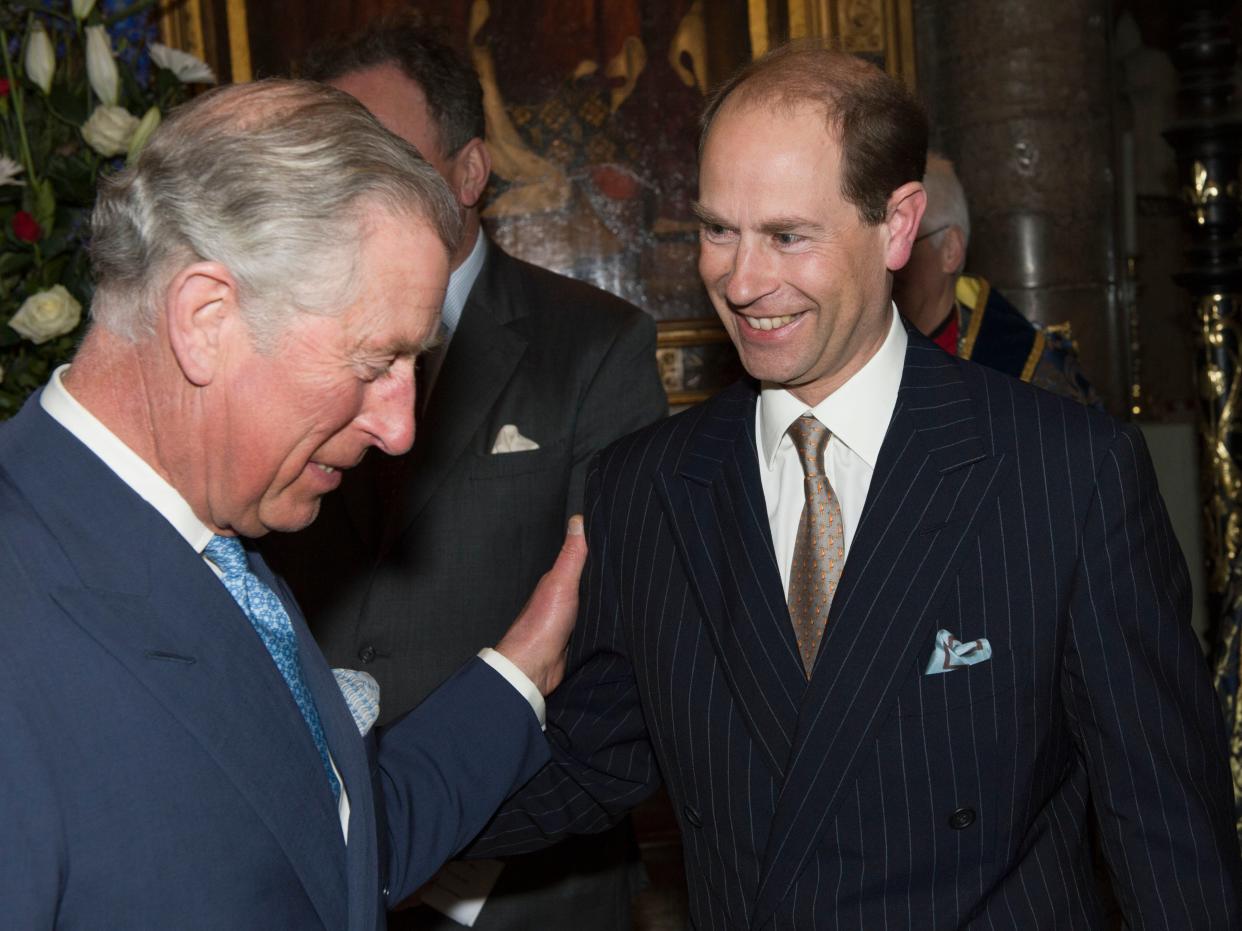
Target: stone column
(1018,92)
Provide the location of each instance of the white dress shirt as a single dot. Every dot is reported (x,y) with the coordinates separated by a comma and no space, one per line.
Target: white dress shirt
(857,414)
(130,468)
(461,282)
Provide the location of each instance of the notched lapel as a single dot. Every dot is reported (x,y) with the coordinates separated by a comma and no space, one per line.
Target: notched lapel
(715,505)
(934,474)
(481,359)
(234,702)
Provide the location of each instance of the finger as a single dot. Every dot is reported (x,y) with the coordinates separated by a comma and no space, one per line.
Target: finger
(572,557)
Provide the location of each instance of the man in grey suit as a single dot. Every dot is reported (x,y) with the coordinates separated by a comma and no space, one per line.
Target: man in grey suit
(411,566)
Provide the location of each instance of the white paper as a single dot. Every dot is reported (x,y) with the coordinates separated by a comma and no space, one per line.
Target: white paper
(461,888)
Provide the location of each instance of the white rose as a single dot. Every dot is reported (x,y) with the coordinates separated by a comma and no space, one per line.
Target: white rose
(100,65)
(46,315)
(109,130)
(186,68)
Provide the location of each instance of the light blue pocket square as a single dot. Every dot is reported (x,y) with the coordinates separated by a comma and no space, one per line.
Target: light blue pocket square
(951,653)
(362,694)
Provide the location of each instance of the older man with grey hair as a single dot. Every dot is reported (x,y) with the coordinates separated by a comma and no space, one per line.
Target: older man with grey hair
(177,753)
(963,314)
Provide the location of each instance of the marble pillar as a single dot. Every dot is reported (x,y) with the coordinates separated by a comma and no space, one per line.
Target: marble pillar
(1018,92)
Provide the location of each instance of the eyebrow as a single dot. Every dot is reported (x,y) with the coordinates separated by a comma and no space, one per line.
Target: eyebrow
(770,227)
(404,348)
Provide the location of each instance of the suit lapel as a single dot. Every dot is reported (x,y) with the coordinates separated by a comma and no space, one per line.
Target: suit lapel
(482,356)
(934,474)
(716,508)
(349,754)
(187,642)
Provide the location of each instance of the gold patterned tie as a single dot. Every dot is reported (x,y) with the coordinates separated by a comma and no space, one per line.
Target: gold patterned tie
(819,550)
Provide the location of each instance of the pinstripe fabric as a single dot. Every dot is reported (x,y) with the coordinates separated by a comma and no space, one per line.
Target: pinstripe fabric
(997,511)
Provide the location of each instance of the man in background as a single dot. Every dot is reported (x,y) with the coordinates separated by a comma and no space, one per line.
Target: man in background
(537,372)
(177,754)
(963,314)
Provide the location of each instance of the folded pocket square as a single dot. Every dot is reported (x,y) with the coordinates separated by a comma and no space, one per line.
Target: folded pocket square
(951,653)
(508,440)
(361,693)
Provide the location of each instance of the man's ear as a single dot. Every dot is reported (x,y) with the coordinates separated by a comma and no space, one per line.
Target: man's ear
(472,166)
(952,250)
(201,300)
(905,210)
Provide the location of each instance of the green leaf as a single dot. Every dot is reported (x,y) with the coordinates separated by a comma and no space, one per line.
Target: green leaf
(43,205)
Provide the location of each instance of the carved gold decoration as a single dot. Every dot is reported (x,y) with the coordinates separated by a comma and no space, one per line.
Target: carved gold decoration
(1201,191)
(627,65)
(188,25)
(876,27)
(1221,388)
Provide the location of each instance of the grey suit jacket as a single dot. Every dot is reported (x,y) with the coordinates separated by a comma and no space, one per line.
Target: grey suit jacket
(420,561)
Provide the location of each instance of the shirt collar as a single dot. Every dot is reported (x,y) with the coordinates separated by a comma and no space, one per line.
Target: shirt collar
(129,467)
(461,281)
(857,413)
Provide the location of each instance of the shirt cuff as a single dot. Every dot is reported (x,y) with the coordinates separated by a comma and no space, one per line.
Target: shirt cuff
(516,678)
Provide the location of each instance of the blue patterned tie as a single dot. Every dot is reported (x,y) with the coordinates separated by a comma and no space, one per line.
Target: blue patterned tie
(271,622)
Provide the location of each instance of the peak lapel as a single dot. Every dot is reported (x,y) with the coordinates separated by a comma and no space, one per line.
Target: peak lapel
(934,474)
(716,507)
(482,356)
(232,699)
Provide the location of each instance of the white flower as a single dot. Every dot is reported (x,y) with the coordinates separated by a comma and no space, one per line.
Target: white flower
(46,315)
(150,120)
(109,130)
(100,66)
(9,170)
(187,68)
(82,8)
(40,57)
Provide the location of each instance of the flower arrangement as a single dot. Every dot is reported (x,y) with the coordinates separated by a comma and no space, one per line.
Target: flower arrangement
(72,108)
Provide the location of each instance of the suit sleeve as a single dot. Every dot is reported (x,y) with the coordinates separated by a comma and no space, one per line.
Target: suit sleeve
(602,763)
(1143,711)
(446,766)
(624,394)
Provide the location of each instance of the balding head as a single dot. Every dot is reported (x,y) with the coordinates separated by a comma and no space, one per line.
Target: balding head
(270,179)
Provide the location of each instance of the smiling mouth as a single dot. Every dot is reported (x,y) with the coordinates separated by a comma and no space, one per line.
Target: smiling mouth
(770,323)
(326,468)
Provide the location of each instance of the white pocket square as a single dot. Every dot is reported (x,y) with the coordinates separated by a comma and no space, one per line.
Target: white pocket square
(509,440)
(951,653)
(361,693)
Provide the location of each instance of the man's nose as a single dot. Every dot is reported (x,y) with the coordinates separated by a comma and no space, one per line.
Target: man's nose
(753,275)
(390,414)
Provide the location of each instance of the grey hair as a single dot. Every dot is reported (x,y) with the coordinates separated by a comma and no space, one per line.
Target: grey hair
(274,180)
(946,201)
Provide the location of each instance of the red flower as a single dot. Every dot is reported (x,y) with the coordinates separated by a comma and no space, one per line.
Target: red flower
(4,88)
(26,228)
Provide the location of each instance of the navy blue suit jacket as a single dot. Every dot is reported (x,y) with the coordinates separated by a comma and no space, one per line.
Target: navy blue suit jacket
(155,770)
(877,796)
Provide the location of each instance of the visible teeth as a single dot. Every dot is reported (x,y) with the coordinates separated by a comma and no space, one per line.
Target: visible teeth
(326,468)
(769,323)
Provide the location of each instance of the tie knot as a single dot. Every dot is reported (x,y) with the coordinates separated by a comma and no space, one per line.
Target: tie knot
(228,554)
(810,439)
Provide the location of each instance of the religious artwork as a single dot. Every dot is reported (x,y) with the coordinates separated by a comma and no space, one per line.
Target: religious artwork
(592,120)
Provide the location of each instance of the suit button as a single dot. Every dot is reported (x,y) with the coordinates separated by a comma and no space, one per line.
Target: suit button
(366,654)
(962,818)
(692,816)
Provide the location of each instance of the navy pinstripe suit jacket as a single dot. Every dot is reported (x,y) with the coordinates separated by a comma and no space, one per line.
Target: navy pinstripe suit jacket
(876,796)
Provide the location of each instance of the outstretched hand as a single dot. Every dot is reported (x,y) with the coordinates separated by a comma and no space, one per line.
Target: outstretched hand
(537,640)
